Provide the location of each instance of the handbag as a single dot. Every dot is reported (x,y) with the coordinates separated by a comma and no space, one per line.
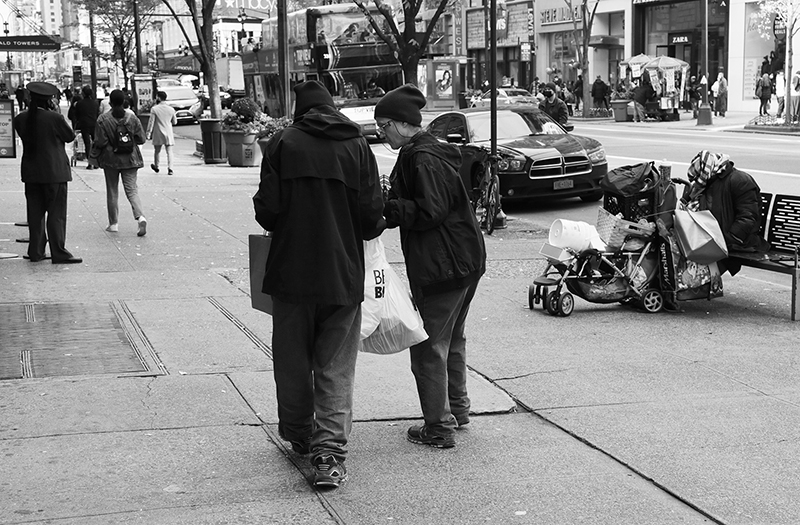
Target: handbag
(699,236)
(259,251)
(390,322)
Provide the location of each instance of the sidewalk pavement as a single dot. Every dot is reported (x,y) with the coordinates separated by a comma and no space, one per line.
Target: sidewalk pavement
(138,388)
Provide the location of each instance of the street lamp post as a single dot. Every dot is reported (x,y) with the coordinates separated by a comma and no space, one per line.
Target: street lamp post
(9,64)
(704,112)
(241,17)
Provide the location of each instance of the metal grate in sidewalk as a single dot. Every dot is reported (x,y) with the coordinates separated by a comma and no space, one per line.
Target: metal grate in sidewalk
(55,340)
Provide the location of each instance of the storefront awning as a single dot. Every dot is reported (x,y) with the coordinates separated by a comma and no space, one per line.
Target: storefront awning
(606,41)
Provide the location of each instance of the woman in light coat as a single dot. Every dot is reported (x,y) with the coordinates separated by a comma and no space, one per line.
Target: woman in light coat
(159,130)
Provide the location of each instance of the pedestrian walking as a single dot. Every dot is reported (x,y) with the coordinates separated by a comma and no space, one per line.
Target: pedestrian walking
(116,148)
(721,106)
(159,130)
(599,93)
(780,92)
(21,96)
(764,93)
(577,90)
(320,196)
(795,96)
(554,106)
(84,114)
(445,258)
(45,171)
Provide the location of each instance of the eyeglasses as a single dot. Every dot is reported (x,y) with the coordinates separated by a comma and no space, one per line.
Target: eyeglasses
(382,127)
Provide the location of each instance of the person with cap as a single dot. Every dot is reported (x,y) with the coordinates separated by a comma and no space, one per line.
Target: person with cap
(445,258)
(553,105)
(45,171)
(320,196)
(118,161)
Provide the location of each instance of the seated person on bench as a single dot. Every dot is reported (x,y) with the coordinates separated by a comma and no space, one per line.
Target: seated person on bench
(733,197)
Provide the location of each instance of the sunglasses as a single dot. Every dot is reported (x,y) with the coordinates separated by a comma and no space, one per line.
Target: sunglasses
(382,127)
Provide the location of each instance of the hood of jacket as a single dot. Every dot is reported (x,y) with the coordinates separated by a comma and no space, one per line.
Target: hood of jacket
(425,142)
(327,122)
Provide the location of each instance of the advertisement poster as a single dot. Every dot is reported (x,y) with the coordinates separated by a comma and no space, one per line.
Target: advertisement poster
(8,138)
(259,86)
(422,78)
(756,47)
(444,82)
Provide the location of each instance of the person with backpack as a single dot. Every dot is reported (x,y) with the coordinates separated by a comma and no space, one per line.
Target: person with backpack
(116,149)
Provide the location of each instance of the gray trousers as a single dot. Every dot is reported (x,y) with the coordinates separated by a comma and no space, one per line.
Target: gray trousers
(440,363)
(314,349)
(131,192)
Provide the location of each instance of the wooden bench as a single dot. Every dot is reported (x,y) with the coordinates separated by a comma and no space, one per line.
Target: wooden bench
(781,228)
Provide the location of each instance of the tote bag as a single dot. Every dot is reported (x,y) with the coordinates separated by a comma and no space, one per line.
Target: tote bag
(699,236)
(259,250)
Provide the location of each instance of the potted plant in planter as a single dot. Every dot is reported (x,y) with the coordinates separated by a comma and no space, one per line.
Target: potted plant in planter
(620,102)
(240,130)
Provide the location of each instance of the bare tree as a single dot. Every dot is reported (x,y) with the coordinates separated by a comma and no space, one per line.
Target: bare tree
(787,12)
(406,44)
(202,16)
(581,33)
(114,21)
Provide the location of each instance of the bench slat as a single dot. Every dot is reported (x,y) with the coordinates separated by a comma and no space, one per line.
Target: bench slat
(783,231)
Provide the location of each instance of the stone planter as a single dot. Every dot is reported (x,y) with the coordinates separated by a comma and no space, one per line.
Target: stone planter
(243,148)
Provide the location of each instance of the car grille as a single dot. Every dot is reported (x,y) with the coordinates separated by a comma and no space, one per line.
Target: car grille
(560,166)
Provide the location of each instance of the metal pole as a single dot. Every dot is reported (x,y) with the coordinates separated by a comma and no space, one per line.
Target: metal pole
(283,58)
(92,63)
(137,37)
(493,76)
(704,113)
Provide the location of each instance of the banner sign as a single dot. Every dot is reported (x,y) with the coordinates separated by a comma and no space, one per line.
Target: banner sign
(8,138)
(28,43)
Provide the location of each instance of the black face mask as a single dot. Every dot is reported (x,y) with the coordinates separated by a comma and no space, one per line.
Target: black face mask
(547,93)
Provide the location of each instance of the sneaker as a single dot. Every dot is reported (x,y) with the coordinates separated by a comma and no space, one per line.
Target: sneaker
(142,227)
(421,435)
(112,228)
(154,167)
(462,419)
(328,472)
(169,172)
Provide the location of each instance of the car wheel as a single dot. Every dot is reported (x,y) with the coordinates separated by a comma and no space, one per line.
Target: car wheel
(592,197)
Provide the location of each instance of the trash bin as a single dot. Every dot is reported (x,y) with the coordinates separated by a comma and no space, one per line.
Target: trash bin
(620,108)
(213,144)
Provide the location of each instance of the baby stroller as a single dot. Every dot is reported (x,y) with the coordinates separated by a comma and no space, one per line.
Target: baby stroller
(624,267)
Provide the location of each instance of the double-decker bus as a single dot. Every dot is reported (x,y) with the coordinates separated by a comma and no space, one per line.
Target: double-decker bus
(334,44)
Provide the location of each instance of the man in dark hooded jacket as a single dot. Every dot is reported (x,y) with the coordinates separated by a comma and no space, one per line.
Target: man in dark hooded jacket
(320,197)
(445,258)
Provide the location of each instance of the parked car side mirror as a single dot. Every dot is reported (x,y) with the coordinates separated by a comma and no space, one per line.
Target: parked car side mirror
(569,127)
(455,138)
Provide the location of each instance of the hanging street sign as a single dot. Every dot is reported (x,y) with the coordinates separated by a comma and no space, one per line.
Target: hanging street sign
(28,43)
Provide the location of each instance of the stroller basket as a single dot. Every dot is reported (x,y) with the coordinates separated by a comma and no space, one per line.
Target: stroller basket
(632,207)
(614,230)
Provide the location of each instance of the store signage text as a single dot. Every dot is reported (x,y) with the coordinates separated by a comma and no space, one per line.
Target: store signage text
(559,15)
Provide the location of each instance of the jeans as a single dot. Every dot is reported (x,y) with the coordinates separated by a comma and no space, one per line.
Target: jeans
(157,148)
(440,363)
(87,134)
(314,350)
(638,112)
(112,192)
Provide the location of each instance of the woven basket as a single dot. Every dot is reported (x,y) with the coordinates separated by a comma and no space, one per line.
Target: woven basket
(613,230)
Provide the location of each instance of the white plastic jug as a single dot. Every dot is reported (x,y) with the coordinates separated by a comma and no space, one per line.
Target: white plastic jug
(576,235)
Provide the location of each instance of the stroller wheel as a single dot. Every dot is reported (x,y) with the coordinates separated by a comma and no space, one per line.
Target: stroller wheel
(551,303)
(532,293)
(652,301)
(566,304)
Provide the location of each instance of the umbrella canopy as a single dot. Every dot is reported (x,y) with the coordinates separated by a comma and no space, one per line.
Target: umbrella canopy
(640,59)
(665,63)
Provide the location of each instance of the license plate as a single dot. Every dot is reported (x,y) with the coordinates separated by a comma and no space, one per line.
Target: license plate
(563,184)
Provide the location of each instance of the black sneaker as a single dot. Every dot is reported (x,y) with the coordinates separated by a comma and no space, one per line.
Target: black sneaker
(154,167)
(421,435)
(328,472)
(462,419)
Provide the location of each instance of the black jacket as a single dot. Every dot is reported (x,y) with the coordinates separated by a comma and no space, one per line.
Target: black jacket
(44,159)
(557,109)
(441,239)
(320,195)
(84,113)
(599,89)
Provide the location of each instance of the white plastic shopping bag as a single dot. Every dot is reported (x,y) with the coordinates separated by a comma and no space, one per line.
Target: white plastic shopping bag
(389,321)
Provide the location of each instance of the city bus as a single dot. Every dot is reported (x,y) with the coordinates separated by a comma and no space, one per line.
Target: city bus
(333,44)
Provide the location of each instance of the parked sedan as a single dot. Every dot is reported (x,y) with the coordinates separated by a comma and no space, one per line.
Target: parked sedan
(538,157)
(181,98)
(507,97)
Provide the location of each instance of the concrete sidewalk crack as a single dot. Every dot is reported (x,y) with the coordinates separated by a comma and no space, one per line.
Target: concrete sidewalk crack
(521,376)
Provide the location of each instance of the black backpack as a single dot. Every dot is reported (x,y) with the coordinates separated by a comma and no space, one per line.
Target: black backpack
(122,141)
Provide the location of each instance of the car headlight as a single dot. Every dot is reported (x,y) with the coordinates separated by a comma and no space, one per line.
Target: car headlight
(511,164)
(597,156)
